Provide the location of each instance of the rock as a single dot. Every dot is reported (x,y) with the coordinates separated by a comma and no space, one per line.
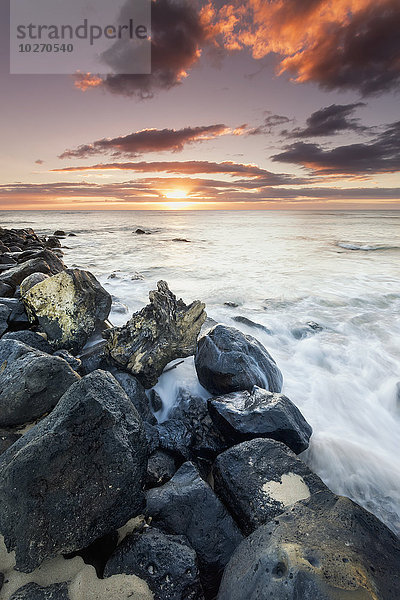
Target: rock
(140,231)
(98,553)
(74,362)
(6,291)
(5,312)
(189,431)
(7,438)
(68,307)
(304,331)
(323,548)
(250,323)
(52,242)
(242,416)
(18,317)
(227,360)
(161,467)
(155,401)
(162,331)
(59,233)
(231,304)
(30,338)
(186,505)
(49,264)
(258,480)
(181,240)
(135,392)
(1,580)
(75,476)
(15,249)
(93,358)
(30,281)
(72,234)
(32,591)
(165,562)
(31,382)
(7,260)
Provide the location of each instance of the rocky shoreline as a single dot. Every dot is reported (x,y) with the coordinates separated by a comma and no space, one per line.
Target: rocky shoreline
(99,501)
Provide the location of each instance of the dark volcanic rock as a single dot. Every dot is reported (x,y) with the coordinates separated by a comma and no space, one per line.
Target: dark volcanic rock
(5,312)
(59,233)
(6,291)
(190,431)
(257,480)
(31,382)
(323,548)
(247,415)
(135,392)
(74,362)
(33,591)
(140,231)
(226,361)
(166,562)
(18,317)
(30,338)
(7,438)
(75,476)
(161,467)
(252,324)
(48,263)
(68,307)
(186,505)
(93,358)
(163,330)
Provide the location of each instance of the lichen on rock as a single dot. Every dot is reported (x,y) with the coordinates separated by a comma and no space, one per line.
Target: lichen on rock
(162,331)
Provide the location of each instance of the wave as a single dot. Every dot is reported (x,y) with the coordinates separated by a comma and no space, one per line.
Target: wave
(365,247)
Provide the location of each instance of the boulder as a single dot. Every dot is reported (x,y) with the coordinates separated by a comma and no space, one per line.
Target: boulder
(18,317)
(5,312)
(166,562)
(31,382)
(186,505)
(135,392)
(68,307)
(190,432)
(75,476)
(162,331)
(242,416)
(258,480)
(52,242)
(161,467)
(6,291)
(30,338)
(48,263)
(250,323)
(323,548)
(7,438)
(59,233)
(227,360)
(30,281)
(93,358)
(33,591)
(74,362)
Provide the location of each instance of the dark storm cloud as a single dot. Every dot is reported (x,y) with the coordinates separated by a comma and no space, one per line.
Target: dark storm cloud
(148,140)
(330,120)
(379,155)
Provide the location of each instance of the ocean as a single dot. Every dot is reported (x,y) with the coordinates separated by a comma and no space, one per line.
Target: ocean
(280,270)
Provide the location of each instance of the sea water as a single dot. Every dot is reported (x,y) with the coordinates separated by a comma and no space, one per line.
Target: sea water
(280,270)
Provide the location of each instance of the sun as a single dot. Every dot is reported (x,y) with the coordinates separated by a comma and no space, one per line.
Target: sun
(178,194)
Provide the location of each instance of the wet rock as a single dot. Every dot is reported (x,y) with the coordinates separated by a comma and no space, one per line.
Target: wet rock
(323,548)
(231,304)
(93,358)
(30,338)
(18,317)
(72,234)
(74,362)
(137,395)
(68,307)
(304,331)
(186,505)
(226,361)
(155,401)
(166,562)
(252,324)
(6,291)
(181,240)
(5,312)
(7,439)
(161,467)
(52,242)
(33,591)
(7,260)
(258,480)
(31,382)
(75,476)
(30,281)
(140,231)
(164,330)
(190,432)
(49,264)
(15,249)
(59,233)
(242,416)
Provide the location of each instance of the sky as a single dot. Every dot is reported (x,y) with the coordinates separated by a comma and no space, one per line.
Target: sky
(279,104)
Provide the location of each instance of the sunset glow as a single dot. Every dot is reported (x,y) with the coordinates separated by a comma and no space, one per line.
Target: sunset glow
(176,194)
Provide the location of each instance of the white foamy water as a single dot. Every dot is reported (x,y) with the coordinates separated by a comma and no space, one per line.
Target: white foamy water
(339,269)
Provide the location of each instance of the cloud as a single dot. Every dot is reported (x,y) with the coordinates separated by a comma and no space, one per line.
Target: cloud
(39,161)
(180,30)
(331,120)
(379,155)
(192,167)
(149,140)
(269,125)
